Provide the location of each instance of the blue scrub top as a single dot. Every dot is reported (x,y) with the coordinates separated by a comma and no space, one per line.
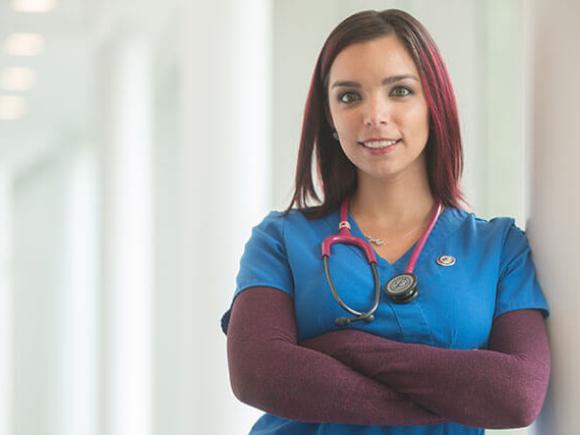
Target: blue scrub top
(456,305)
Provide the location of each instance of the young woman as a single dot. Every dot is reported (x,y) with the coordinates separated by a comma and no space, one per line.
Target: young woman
(421,318)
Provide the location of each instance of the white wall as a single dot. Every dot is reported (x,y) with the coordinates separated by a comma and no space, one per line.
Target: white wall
(37,283)
(6,307)
(553,224)
(52,352)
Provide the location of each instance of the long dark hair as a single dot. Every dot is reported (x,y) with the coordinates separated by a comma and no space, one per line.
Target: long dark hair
(336,173)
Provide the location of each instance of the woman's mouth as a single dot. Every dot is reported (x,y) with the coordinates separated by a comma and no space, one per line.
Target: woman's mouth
(380,146)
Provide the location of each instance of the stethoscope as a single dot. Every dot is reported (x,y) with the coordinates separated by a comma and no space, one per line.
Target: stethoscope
(402,288)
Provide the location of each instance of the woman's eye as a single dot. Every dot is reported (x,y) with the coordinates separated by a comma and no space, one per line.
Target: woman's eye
(407,91)
(341,97)
(349,97)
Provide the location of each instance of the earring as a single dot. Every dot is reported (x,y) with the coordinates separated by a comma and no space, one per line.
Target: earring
(335,134)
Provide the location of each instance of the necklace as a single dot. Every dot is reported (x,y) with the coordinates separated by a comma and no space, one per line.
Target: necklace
(380,242)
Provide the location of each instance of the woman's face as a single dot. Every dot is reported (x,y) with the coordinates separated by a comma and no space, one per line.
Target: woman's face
(375,93)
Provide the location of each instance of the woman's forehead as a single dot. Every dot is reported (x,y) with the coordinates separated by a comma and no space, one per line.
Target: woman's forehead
(385,56)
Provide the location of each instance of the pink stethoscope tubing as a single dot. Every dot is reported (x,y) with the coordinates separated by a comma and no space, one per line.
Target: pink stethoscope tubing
(402,288)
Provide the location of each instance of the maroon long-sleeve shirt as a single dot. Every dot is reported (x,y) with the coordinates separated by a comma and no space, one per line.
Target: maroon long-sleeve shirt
(353,377)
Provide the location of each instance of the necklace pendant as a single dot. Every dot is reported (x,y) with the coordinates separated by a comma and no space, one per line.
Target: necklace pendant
(377,242)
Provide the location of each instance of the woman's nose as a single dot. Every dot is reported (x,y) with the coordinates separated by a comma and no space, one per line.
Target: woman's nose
(376,111)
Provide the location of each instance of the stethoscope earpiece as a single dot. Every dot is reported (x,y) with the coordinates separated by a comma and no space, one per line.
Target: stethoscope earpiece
(342,321)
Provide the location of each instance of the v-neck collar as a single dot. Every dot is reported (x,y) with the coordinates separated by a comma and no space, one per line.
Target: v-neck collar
(402,261)
(439,230)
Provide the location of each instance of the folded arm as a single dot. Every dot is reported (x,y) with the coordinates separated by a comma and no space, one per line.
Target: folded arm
(501,387)
(270,371)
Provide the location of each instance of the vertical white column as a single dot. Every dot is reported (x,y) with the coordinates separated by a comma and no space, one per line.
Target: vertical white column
(554,227)
(127,214)
(224,189)
(5,303)
(190,52)
(78,306)
(503,110)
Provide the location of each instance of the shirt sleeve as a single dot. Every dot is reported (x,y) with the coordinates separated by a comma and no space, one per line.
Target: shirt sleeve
(264,262)
(518,287)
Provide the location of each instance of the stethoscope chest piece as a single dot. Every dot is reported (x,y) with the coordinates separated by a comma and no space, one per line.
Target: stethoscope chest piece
(402,288)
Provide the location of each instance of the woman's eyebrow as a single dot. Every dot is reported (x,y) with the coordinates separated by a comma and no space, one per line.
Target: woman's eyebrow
(386,81)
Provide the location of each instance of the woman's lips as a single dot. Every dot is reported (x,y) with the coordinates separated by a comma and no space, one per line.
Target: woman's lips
(381,151)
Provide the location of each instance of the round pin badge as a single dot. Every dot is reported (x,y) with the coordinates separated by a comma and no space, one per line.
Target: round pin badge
(446,260)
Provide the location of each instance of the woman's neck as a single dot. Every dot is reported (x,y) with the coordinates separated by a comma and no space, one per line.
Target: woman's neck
(399,202)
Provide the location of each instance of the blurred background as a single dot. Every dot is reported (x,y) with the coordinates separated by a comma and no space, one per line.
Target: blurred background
(141,140)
